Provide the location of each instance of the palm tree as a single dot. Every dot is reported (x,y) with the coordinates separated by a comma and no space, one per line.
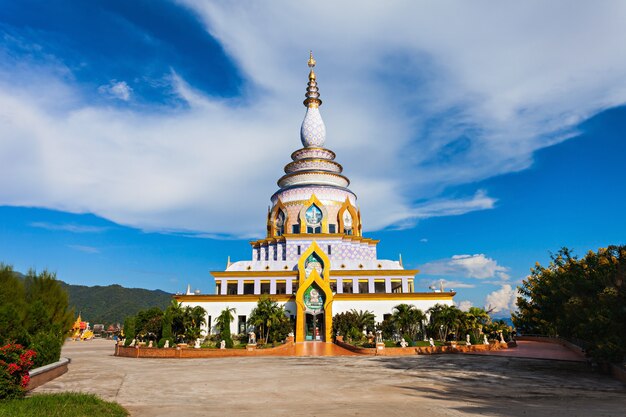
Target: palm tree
(444,319)
(223,324)
(267,315)
(408,319)
(364,319)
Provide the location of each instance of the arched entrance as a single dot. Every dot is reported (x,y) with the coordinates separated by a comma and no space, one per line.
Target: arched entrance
(314,297)
(314,323)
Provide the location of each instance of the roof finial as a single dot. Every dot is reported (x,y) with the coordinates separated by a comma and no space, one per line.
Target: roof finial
(312,92)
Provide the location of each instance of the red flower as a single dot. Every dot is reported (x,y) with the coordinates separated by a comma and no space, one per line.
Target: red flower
(13,367)
(25,380)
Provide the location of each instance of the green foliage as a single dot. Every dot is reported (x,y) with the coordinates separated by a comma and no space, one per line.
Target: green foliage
(166,329)
(580,299)
(445,322)
(129,330)
(48,348)
(34,312)
(352,323)
(408,320)
(112,303)
(270,320)
(223,324)
(149,323)
(61,405)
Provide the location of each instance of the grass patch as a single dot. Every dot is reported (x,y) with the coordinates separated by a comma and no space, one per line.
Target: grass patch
(69,404)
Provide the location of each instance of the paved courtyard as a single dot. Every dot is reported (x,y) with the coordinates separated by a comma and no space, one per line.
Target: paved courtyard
(439,385)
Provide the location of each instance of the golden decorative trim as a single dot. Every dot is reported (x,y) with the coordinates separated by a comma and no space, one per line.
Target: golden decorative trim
(313,148)
(309,172)
(218,298)
(329,161)
(396,296)
(252,274)
(305,207)
(375,272)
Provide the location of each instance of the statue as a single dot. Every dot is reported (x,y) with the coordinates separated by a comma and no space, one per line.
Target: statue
(290,334)
(432,342)
(197,344)
(502,338)
(252,338)
(167,343)
(132,343)
(150,344)
(364,330)
(467,339)
(223,344)
(379,336)
(485,341)
(403,343)
(122,342)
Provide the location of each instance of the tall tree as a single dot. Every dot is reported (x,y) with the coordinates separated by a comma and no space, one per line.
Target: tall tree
(581,299)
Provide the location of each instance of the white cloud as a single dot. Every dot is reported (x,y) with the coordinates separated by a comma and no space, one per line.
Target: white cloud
(470,266)
(453,94)
(117,89)
(84,248)
(424,240)
(74,228)
(502,300)
(465,305)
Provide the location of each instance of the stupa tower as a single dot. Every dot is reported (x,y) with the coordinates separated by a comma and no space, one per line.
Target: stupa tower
(313,259)
(313,177)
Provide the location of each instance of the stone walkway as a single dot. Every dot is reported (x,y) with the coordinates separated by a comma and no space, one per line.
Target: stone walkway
(432,386)
(537,350)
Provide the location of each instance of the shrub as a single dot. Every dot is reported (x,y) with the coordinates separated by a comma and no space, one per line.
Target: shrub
(129,330)
(389,343)
(15,362)
(48,348)
(161,343)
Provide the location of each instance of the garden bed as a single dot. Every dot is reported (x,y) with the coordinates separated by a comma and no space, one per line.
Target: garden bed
(43,374)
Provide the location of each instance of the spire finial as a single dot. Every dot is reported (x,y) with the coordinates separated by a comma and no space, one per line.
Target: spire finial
(311,62)
(312,92)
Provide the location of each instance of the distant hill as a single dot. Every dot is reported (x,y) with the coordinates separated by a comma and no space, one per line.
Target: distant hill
(112,303)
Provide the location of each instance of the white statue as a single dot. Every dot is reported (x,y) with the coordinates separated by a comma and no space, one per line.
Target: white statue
(150,344)
(364,331)
(379,336)
(252,338)
(502,338)
(485,341)
(403,343)
(121,342)
(290,334)
(432,342)
(197,344)
(132,343)
(223,344)
(167,343)
(467,339)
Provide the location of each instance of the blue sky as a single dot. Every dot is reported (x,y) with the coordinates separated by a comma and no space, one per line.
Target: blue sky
(140,141)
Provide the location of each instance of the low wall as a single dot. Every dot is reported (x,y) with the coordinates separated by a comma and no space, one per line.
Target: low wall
(555,340)
(619,372)
(43,374)
(285,349)
(422,350)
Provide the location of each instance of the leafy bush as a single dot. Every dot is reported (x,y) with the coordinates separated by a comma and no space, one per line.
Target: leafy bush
(15,362)
(129,330)
(48,348)
(389,343)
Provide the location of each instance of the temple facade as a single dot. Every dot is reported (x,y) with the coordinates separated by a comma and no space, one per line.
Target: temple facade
(314,258)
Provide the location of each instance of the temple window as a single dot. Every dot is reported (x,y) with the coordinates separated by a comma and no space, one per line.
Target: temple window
(280,223)
(231,288)
(347,222)
(284,247)
(299,250)
(313,218)
(396,286)
(332,228)
(295,229)
(364,287)
(313,262)
(379,286)
(347,287)
(258,254)
(241,325)
(281,288)
(276,252)
(294,287)
(267,253)
(333,286)
(330,250)
(265,288)
(248,288)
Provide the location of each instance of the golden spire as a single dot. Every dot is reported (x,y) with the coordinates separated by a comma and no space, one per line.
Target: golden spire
(312,92)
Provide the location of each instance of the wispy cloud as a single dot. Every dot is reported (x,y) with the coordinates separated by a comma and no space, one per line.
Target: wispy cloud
(69,227)
(85,249)
(116,89)
(471,266)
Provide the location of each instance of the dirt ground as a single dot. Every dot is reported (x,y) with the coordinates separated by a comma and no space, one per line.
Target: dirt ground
(431,386)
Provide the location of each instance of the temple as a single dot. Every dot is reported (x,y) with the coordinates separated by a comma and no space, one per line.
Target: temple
(314,258)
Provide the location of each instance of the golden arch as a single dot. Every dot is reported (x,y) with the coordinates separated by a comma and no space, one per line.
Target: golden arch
(305,207)
(272,216)
(323,282)
(356,218)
